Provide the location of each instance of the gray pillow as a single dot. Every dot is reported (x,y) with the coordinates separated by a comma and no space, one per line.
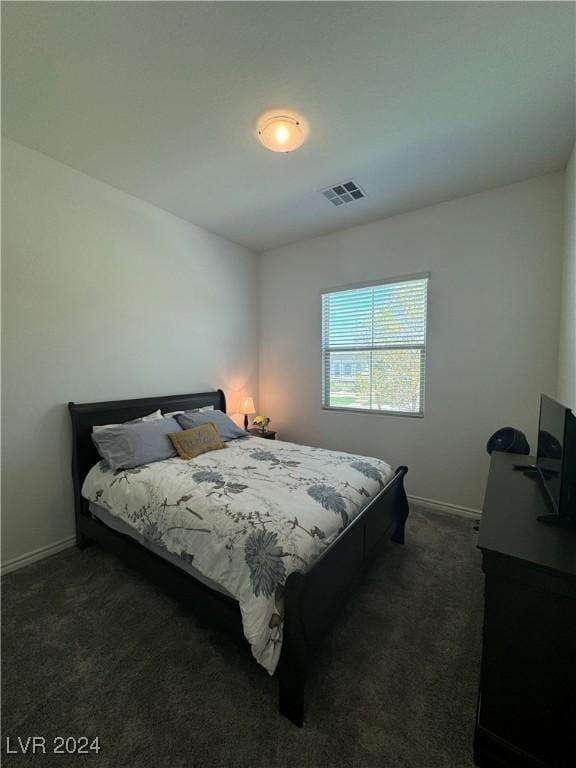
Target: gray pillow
(131,445)
(227,429)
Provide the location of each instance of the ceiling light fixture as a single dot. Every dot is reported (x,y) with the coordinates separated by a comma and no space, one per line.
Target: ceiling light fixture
(281,130)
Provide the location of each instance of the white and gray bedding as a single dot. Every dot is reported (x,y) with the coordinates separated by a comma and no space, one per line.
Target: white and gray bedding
(245,516)
(117,524)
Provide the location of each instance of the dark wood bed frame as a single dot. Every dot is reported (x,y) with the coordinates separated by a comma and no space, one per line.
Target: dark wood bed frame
(313,596)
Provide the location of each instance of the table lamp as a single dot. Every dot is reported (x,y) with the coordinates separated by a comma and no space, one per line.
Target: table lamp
(246,407)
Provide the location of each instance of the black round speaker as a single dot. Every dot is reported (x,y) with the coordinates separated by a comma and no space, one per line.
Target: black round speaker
(508,440)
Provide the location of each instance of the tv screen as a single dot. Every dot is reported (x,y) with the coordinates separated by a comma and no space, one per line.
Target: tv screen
(556,457)
(551,446)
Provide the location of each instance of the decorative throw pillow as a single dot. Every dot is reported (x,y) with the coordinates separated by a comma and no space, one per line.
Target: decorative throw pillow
(193,442)
(132,445)
(227,429)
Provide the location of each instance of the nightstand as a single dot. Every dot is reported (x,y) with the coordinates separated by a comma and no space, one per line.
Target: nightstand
(270,434)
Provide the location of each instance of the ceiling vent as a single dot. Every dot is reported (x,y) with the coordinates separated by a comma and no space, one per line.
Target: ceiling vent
(345,192)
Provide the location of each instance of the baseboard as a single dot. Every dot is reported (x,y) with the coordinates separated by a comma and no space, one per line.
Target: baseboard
(38,554)
(443,506)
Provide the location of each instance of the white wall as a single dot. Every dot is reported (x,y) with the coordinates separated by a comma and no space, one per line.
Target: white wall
(567,357)
(494,260)
(105,297)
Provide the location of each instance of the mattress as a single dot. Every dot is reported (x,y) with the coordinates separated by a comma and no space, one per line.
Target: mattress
(244,516)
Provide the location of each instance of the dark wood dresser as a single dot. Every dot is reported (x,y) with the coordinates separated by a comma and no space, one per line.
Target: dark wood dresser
(527,698)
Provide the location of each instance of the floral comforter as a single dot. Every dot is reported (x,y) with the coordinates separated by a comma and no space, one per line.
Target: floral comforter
(246,516)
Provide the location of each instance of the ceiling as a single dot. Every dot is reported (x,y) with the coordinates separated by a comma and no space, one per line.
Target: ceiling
(418,102)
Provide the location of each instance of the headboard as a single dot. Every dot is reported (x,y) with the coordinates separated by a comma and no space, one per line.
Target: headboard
(86,415)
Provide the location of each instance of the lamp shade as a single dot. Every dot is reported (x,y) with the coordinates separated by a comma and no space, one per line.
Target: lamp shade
(247,405)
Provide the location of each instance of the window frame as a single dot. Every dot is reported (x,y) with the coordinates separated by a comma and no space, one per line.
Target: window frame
(424,348)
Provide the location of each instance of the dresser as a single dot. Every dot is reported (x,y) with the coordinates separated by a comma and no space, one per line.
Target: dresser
(527,694)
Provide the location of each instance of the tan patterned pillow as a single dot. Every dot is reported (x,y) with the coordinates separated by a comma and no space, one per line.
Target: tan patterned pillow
(193,442)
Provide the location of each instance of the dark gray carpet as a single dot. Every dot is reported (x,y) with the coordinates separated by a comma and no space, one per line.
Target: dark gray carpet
(91,647)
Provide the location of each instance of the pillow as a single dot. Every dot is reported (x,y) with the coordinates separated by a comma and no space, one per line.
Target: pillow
(192,410)
(195,441)
(227,429)
(131,445)
(150,417)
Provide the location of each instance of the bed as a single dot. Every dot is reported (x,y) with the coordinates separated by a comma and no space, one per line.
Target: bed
(261,495)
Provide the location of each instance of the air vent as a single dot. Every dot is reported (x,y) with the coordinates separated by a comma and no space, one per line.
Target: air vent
(345,192)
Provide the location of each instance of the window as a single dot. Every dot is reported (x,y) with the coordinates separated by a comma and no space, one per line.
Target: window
(374,347)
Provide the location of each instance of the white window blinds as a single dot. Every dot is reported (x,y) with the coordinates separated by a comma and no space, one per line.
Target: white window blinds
(374,347)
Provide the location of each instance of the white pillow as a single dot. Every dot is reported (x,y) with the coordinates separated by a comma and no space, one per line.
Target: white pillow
(196,410)
(150,417)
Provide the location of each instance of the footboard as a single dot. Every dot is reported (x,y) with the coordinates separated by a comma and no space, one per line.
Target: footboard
(314,596)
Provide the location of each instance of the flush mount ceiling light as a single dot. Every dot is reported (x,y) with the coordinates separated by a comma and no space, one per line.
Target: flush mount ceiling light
(281,130)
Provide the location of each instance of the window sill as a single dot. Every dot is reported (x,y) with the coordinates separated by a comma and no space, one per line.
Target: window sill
(372,411)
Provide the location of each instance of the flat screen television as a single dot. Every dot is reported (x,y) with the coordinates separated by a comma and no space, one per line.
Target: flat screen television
(556,459)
